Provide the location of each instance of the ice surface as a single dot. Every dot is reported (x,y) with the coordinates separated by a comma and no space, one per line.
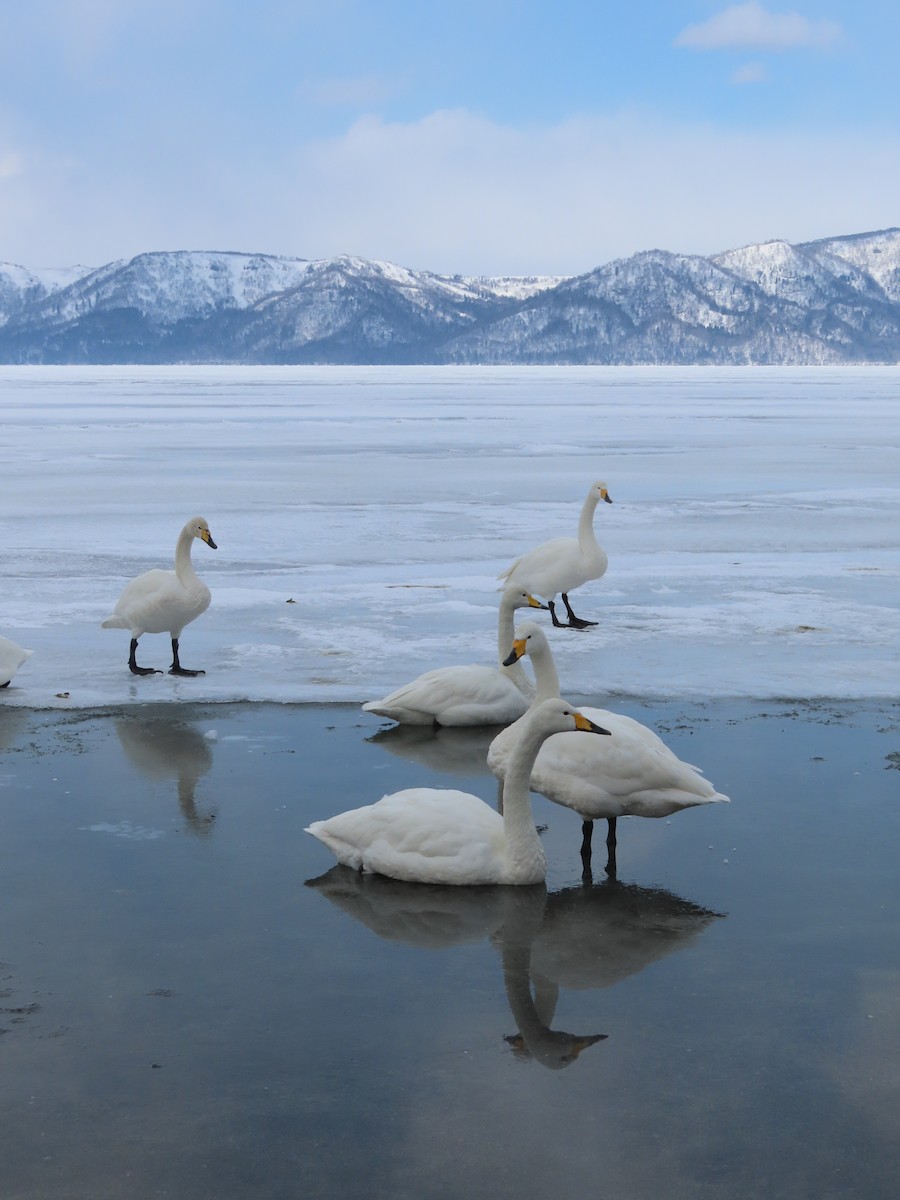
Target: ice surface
(753,538)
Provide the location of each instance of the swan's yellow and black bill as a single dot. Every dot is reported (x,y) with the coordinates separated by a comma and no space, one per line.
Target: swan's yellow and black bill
(606,496)
(206,536)
(533,603)
(517,652)
(582,722)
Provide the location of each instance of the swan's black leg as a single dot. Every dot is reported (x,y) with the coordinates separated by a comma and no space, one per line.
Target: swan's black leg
(556,621)
(587,830)
(132,665)
(611,847)
(575,622)
(176,667)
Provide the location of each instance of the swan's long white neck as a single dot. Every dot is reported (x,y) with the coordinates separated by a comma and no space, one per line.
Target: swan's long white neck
(545,673)
(184,568)
(587,540)
(522,841)
(506,633)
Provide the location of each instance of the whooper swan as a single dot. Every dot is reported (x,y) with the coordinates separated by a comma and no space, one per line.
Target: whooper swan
(435,835)
(633,774)
(563,564)
(165,601)
(473,694)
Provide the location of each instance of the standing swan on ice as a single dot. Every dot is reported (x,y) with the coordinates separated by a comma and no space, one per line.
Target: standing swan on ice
(634,774)
(440,835)
(563,564)
(11,658)
(467,695)
(165,601)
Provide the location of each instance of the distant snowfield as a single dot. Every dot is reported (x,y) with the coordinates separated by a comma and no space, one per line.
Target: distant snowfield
(753,538)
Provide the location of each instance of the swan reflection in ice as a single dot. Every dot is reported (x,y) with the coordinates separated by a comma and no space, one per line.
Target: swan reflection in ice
(456,751)
(163,748)
(578,938)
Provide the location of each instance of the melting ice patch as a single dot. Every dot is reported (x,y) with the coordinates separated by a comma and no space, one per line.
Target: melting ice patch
(125,829)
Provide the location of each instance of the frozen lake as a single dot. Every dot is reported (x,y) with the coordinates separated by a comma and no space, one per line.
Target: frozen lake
(752,541)
(195,1002)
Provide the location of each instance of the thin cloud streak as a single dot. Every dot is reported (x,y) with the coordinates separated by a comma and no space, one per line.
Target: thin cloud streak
(750,26)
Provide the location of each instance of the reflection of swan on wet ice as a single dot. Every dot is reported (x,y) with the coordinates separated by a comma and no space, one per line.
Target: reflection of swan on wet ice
(438,918)
(455,751)
(533,1010)
(596,935)
(163,748)
(577,938)
(433,917)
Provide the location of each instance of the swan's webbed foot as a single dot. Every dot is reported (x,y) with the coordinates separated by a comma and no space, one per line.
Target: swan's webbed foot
(176,667)
(132,665)
(575,622)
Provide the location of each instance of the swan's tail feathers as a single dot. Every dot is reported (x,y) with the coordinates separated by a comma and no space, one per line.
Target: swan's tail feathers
(115,622)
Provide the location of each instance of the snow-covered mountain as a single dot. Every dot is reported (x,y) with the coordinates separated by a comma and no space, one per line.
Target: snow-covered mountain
(829,301)
(19,286)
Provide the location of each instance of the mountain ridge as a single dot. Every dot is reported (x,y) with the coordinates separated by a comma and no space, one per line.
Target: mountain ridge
(832,300)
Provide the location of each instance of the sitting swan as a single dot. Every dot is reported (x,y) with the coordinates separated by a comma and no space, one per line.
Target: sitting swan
(633,774)
(564,563)
(438,835)
(165,601)
(467,695)
(11,658)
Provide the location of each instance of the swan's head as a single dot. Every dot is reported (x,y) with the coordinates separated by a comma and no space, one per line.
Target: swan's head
(601,492)
(558,716)
(518,598)
(529,637)
(198,528)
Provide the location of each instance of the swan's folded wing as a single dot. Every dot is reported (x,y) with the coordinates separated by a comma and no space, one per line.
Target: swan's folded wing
(447,689)
(421,834)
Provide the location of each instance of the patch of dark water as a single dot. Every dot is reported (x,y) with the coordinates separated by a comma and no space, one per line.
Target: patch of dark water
(195,1002)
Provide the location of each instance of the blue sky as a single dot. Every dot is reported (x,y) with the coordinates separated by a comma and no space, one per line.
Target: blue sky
(492,137)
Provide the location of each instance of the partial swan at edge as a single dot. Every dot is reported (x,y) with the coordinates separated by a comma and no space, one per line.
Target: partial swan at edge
(11,658)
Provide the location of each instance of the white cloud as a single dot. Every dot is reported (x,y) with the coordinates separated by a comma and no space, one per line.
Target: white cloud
(750,25)
(362,92)
(455,192)
(751,72)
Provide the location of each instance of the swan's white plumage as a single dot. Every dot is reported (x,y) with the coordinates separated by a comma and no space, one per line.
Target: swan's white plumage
(430,835)
(532,641)
(11,658)
(631,773)
(472,694)
(565,563)
(165,601)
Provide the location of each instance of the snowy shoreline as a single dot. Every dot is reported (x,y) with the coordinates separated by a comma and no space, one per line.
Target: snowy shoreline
(752,539)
